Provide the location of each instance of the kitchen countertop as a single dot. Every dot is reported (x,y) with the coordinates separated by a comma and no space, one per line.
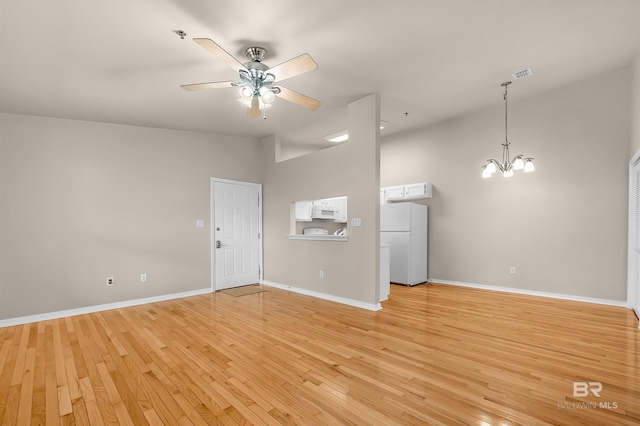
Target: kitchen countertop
(319,237)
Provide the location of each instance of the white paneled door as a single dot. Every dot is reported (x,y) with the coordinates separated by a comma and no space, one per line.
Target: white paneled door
(236,233)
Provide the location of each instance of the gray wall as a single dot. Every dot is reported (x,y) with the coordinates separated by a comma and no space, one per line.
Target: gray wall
(81,201)
(351,169)
(564,226)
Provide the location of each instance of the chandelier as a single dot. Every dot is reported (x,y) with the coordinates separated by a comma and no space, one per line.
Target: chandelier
(506,167)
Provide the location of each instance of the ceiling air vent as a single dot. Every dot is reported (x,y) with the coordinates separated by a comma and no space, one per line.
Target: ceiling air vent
(522,74)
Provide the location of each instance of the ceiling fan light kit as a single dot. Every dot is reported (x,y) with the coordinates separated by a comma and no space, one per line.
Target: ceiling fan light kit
(506,167)
(256,80)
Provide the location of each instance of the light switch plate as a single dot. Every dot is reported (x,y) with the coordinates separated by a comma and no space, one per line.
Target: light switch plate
(356,221)
(200,223)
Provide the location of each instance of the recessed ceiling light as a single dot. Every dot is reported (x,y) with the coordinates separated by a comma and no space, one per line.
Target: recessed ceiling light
(343,135)
(340,136)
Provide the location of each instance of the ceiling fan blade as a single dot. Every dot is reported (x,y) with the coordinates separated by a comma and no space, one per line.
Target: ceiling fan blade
(293,67)
(203,86)
(218,51)
(298,98)
(254,111)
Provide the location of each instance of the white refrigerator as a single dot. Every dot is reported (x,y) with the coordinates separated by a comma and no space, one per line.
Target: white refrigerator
(404,227)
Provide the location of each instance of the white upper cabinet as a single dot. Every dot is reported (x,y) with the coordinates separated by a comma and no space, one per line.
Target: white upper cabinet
(341,206)
(412,191)
(303,210)
(418,190)
(394,192)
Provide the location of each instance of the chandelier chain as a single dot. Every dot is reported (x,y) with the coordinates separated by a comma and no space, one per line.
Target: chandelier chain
(506,139)
(505,151)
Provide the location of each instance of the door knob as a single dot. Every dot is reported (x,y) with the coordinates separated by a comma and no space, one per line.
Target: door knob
(218,244)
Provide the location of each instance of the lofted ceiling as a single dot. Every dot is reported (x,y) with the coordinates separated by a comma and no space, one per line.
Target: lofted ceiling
(120,61)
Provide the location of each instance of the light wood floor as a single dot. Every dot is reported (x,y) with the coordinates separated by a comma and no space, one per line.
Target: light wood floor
(434,355)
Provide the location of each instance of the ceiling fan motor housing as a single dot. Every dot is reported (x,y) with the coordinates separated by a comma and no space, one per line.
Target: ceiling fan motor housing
(256,54)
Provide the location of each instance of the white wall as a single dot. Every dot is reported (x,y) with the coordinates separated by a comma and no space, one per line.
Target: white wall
(351,169)
(564,226)
(80,201)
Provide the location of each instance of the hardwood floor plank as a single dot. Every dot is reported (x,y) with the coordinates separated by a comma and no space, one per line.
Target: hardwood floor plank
(162,399)
(90,401)
(12,402)
(153,418)
(21,356)
(209,397)
(93,413)
(65,406)
(72,378)
(80,414)
(191,412)
(119,408)
(134,404)
(93,389)
(52,413)
(238,410)
(4,353)
(26,388)
(78,344)
(58,355)
(38,404)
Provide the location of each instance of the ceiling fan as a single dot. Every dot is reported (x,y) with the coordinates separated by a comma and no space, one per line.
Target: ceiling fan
(257,84)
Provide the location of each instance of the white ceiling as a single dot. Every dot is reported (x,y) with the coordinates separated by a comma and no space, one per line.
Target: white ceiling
(119,61)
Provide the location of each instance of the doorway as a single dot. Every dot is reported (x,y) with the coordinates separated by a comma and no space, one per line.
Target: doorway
(236,233)
(633,272)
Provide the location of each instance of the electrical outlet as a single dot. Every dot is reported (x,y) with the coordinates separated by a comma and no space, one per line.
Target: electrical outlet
(512,270)
(321,274)
(110,281)
(143,278)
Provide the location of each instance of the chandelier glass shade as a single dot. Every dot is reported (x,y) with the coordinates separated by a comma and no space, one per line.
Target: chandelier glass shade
(507,165)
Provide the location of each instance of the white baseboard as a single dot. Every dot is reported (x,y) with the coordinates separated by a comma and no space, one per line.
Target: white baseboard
(99,308)
(618,303)
(325,296)
(345,301)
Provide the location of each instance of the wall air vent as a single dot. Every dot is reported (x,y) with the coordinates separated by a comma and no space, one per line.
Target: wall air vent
(522,74)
